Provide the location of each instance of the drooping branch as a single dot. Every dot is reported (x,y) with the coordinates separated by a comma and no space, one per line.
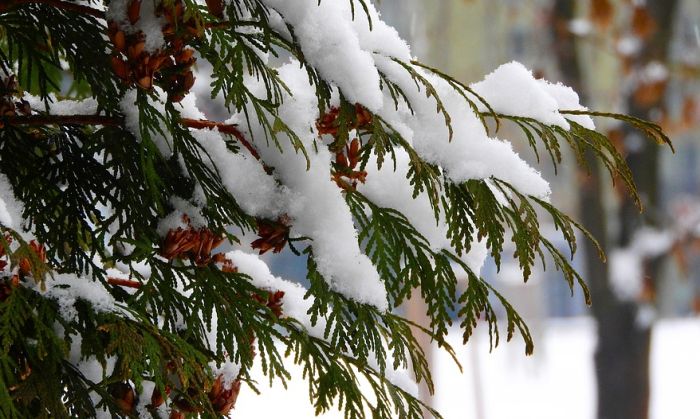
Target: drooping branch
(65,5)
(41,120)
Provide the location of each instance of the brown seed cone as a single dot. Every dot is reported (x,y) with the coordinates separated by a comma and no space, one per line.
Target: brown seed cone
(145,82)
(134,11)
(121,68)
(216,8)
(124,396)
(118,38)
(157,398)
(135,50)
(223,399)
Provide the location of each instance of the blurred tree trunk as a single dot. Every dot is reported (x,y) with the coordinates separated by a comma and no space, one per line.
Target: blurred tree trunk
(622,353)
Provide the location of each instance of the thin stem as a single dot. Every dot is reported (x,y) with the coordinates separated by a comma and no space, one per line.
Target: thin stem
(73,7)
(124,282)
(224,128)
(38,120)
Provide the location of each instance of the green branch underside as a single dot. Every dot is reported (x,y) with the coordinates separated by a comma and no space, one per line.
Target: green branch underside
(64,172)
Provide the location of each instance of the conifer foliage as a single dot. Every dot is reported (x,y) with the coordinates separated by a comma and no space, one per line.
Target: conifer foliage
(120,184)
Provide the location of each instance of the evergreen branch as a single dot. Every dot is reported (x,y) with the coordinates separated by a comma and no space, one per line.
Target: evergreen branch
(40,120)
(651,129)
(461,88)
(430,91)
(64,5)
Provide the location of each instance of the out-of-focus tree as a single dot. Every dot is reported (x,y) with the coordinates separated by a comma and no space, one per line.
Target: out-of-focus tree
(624,292)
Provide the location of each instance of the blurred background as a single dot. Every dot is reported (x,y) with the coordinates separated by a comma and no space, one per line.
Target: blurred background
(635,354)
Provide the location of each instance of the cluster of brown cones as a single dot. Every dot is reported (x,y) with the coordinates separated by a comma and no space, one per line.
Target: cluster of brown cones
(195,244)
(221,397)
(346,162)
(328,123)
(9,106)
(273,235)
(169,67)
(346,173)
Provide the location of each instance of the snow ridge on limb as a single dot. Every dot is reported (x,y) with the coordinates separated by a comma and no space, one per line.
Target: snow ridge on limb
(319,210)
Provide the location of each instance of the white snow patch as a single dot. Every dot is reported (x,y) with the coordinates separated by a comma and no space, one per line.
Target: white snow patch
(10,208)
(580,27)
(148,23)
(512,89)
(67,289)
(626,273)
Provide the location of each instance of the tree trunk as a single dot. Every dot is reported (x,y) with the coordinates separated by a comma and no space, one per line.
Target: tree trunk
(622,353)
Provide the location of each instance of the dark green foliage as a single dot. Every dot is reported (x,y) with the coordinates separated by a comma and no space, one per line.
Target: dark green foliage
(93,195)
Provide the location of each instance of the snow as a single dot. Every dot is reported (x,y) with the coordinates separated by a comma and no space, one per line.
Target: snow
(67,289)
(148,23)
(294,304)
(626,264)
(132,118)
(329,43)
(318,209)
(10,208)
(653,72)
(626,273)
(387,187)
(174,220)
(87,106)
(351,56)
(558,381)
(244,177)
(629,45)
(567,99)
(511,89)
(580,27)
(228,371)
(470,154)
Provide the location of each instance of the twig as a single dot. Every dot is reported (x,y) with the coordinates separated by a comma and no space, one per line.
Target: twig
(38,120)
(124,282)
(224,128)
(73,7)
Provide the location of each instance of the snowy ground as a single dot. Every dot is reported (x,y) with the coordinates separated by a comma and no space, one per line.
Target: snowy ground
(557,382)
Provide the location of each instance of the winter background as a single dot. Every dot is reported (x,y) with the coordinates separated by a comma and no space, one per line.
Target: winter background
(470,38)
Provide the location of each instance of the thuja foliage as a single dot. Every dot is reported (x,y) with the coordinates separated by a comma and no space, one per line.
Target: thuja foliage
(66,168)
